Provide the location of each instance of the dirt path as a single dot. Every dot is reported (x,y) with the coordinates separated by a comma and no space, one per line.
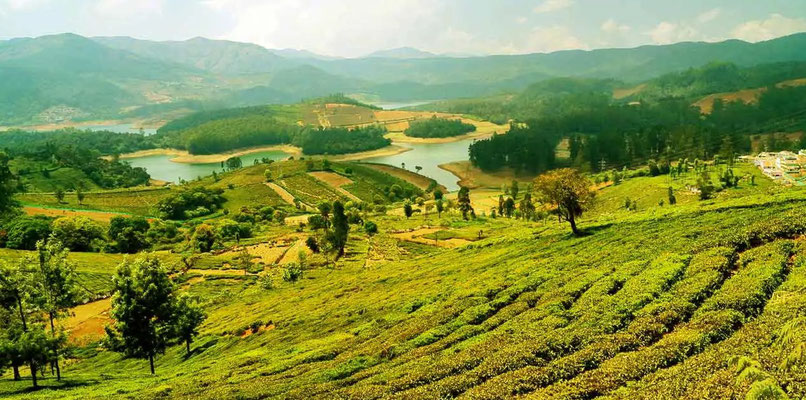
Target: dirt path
(335,181)
(292,255)
(86,322)
(100,216)
(287,197)
(416,236)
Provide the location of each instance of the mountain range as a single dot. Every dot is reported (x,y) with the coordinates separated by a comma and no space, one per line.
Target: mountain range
(70,77)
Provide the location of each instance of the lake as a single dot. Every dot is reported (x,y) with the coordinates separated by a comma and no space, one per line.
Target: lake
(430,156)
(426,155)
(161,167)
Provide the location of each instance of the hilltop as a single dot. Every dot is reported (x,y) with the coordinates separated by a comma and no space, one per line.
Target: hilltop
(125,78)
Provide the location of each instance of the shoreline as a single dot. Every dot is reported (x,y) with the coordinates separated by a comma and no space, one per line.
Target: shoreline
(474,178)
(182,156)
(400,137)
(54,126)
(387,151)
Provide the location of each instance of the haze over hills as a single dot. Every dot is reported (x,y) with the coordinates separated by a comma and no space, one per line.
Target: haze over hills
(402,53)
(121,77)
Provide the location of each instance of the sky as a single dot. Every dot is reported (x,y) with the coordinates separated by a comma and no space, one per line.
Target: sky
(352,28)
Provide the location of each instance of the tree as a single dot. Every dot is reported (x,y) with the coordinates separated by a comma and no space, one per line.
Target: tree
(418,168)
(407,210)
(59,193)
(77,233)
(500,204)
(28,341)
(340,228)
(188,316)
(438,194)
(58,290)
(463,199)
(569,191)
(129,234)
(143,309)
(267,175)
(509,207)
(370,228)
(672,198)
(324,210)
(8,185)
(234,163)
(513,190)
(203,238)
(705,186)
(80,195)
(526,206)
(440,207)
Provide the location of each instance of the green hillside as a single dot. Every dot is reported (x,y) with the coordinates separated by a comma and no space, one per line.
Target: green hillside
(64,78)
(651,302)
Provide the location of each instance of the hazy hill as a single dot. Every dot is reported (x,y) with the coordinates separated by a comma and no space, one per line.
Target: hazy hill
(401,53)
(218,56)
(69,77)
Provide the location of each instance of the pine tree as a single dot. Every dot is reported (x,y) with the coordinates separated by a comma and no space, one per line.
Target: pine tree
(463,200)
(340,228)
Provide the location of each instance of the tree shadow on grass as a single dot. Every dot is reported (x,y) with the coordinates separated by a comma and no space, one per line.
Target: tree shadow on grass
(47,384)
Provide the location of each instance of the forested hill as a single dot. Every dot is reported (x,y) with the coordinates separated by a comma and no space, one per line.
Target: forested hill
(71,78)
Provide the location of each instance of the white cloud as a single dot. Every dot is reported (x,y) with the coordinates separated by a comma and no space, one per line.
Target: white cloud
(548,39)
(347,27)
(776,25)
(611,26)
(127,8)
(669,32)
(18,5)
(548,6)
(521,20)
(709,15)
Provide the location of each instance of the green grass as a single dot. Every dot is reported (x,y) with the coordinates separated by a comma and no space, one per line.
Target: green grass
(647,304)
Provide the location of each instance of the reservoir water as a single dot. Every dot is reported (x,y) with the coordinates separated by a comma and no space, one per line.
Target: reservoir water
(161,167)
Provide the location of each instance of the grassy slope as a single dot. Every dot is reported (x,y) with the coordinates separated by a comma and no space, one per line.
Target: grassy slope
(421,321)
(248,189)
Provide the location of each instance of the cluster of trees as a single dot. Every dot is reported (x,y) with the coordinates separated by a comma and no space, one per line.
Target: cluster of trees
(333,221)
(524,149)
(34,294)
(105,173)
(234,133)
(18,141)
(343,140)
(191,203)
(148,313)
(438,128)
(78,233)
(603,135)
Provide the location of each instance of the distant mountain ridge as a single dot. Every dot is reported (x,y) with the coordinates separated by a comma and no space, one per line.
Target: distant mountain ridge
(404,53)
(70,77)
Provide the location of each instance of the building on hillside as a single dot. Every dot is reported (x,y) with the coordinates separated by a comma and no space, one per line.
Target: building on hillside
(787,162)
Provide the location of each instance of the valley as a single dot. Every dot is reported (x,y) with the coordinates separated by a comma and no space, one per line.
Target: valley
(213,219)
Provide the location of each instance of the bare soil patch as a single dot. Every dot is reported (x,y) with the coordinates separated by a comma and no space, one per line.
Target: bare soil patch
(86,322)
(416,236)
(100,216)
(473,177)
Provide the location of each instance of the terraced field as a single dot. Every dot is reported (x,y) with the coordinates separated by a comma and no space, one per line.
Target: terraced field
(657,303)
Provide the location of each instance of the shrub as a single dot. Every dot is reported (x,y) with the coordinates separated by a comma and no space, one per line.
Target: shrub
(23,232)
(292,272)
(77,233)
